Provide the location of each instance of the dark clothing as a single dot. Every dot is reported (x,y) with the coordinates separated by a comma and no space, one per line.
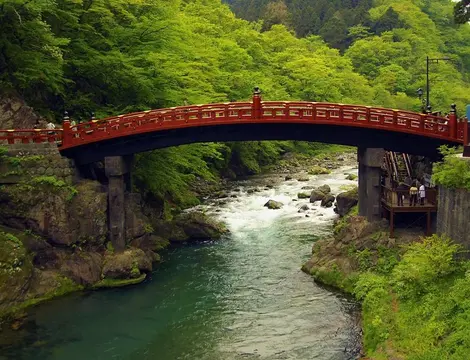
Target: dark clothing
(401,192)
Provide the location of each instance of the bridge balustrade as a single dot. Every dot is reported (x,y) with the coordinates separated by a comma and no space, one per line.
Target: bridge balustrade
(255,111)
(390,197)
(27,136)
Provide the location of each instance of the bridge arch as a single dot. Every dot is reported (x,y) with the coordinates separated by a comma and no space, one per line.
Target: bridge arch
(356,125)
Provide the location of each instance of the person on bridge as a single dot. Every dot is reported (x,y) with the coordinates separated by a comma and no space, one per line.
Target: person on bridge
(413,194)
(50,126)
(422,194)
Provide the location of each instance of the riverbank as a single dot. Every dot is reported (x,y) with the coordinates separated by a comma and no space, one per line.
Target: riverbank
(413,290)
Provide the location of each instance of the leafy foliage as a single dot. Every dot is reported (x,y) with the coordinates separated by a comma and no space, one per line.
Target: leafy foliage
(420,307)
(453,172)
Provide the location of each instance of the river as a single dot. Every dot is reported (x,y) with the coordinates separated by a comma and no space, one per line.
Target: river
(241,298)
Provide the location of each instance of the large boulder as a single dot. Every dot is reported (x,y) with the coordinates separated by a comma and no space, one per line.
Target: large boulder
(273,205)
(346,201)
(149,242)
(129,264)
(325,189)
(191,226)
(328,200)
(316,195)
(198,226)
(82,267)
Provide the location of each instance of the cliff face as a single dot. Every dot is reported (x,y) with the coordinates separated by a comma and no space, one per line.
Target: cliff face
(54,230)
(15,114)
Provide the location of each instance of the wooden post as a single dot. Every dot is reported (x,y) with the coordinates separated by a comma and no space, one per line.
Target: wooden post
(392,225)
(428,223)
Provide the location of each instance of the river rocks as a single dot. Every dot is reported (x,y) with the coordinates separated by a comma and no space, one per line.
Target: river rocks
(128,264)
(318,170)
(316,195)
(303,195)
(322,193)
(351,177)
(304,208)
(328,201)
(288,177)
(325,189)
(303,178)
(308,187)
(346,201)
(273,205)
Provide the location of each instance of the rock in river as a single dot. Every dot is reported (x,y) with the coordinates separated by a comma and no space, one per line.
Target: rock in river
(345,201)
(316,195)
(328,200)
(274,205)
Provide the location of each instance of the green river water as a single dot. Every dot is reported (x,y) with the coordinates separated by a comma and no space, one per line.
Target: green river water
(241,298)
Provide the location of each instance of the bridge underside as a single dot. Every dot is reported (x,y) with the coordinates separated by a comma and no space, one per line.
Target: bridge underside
(353,136)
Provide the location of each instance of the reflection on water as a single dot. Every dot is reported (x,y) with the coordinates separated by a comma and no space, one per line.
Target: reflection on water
(241,298)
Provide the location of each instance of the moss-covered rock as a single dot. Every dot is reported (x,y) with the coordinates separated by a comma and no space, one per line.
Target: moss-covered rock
(328,200)
(113,283)
(325,189)
(273,205)
(351,177)
(150,242)
(198,226)
(303,195)
(129,264)
(345,201)
(316,195)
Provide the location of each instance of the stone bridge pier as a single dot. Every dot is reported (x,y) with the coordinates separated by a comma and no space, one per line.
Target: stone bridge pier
(118,172)
(370,161)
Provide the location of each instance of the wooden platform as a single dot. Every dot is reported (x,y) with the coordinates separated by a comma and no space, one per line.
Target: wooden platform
(390,204)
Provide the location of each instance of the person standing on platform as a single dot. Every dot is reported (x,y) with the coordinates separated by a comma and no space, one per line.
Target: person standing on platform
(401,191)
(422,194)
(413,194)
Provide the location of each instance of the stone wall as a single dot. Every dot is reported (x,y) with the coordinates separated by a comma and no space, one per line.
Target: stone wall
(453,215)
(26,161)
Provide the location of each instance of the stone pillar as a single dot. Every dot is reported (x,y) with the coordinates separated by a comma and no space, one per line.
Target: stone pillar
(370,162)
(117,170)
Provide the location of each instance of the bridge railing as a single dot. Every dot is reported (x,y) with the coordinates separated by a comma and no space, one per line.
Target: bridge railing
(27,136)
(151,120)
(357,115)
(391,197)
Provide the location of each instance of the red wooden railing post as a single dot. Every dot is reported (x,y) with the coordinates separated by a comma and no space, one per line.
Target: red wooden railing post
(465,131)
(453,122)
(66,132)
(256,106)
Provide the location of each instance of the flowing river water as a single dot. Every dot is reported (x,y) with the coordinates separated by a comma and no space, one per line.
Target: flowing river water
(241,298)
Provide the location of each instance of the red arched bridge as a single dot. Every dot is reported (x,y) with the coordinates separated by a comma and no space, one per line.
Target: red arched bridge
(356,125)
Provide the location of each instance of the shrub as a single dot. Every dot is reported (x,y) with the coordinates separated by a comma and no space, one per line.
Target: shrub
(453,172)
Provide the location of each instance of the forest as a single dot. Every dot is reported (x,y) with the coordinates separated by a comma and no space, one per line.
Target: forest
(117,56)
